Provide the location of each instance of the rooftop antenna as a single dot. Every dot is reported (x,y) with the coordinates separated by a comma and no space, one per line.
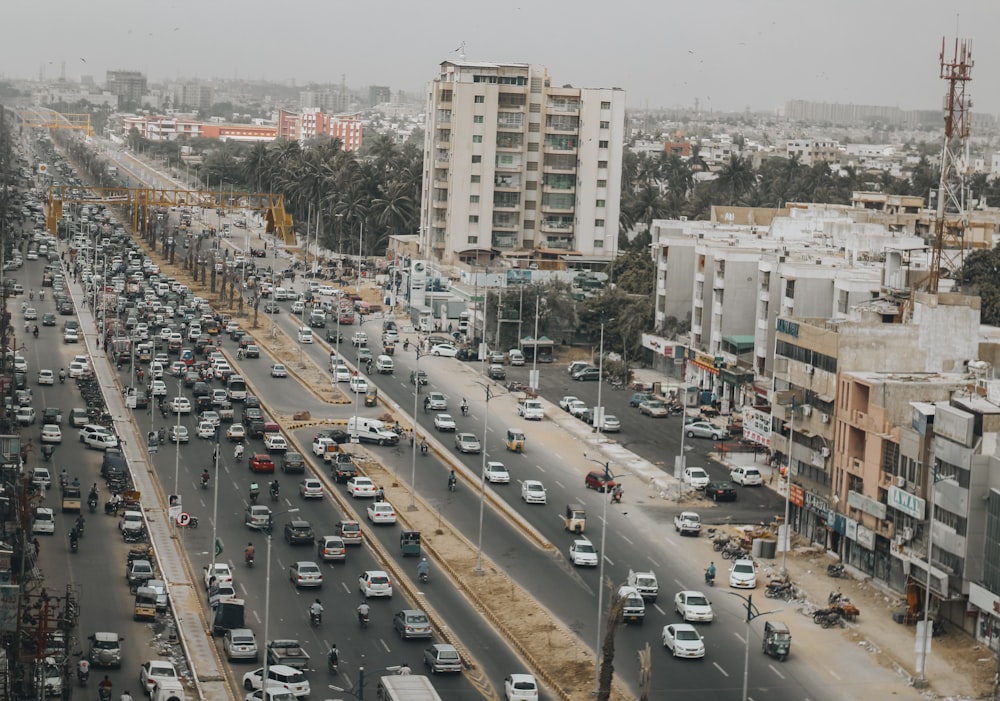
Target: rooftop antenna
(460,51)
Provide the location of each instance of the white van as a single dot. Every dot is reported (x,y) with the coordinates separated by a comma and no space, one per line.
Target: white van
(305,335)
(367,430)
(515,357)
(384,365)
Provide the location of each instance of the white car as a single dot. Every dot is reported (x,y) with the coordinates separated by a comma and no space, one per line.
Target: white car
(361,487)
(45,521)
(279,676)
(275,442)
(381,512)
(30,313)
(583,553)
(341,373)
(696,477)
(746,476)
(565,402)
(531,409)
(311,488)
(71,336)
(496,473)
(155,671)
(236,433)
(77,369)
(221,573)
(444,422)
(305,574)
(305,335)
(206,429)
(360,338)
(445,350)
(159,388)
(179,434)
(131,521)
(320,443)
(25,415)
(375,583)
(687,522)
(180,405)
(578,408)
(467,443)
(278,370)
(683,640)
(359,385)
(743,574)
(46,377)
(705,429)
(693,606)
(533,492)
(51,433)
(437,402)
(211,417)
(520,687)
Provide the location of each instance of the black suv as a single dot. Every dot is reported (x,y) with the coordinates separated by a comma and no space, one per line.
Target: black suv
(299,532)
(344,469)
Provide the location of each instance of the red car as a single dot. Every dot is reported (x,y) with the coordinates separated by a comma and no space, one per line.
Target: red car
(595,480)
(261,462)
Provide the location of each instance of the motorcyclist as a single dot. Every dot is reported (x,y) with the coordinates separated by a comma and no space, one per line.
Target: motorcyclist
(254,492)
(63,478)
(105,686)
(423,447)
(275,488)
(238,451)
(452,480)
(249,552)
(126,696)
(80,523)
(710,572)
(161,436)
(404,669)
(363,611)
(205,477)
(333,657)
(316,609)
(423,568)
(465,406)
(82,670)
(62,375)
(93,492)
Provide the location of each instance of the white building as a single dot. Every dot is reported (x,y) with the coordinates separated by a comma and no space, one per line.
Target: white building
(513,163)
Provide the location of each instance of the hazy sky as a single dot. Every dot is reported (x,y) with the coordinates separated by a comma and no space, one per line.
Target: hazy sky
(728,54)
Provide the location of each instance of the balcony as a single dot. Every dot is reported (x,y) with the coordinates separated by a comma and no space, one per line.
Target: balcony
(561,144)
(504,240)
(564,106)
(555,226)
(507,182)
(562,244)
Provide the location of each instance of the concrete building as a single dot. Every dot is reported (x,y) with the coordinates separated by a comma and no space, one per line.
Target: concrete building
(129,86)
(514,164)
(194,96)
(305,125)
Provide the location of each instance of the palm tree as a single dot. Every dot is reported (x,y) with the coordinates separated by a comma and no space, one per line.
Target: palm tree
(736,178)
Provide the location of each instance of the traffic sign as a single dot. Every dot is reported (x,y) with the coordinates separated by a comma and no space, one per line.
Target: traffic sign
(183,519)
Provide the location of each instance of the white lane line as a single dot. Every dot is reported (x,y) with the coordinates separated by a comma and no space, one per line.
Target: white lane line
(654,562)
(540,468)
(740,638)
(834,674)
(680,584)
(657,607)
(257,616)
(775,670)
(381,641)
(560,485)
(608,560)
(716,665)
(625,539)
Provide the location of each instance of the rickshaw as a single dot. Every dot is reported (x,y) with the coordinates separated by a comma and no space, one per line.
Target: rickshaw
(575,519)
(371,396)
(777,640)
(515,440)
(389,348)
(132,500)
(409,543)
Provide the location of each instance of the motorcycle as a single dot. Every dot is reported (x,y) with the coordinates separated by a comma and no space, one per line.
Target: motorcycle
(842,605)
(47,451)
(332,665)
(161,436)
(732,551)
(452,484)
(836,570)
(74,543)
(92,504)
(364,618)
(82,675)
(248,559)
(709,578)
(465,410)
(79,526)
(828,617)
(104,694)
(315,618)
(780,589)
(193,522)
(204,482)
(62,376)
(274,494)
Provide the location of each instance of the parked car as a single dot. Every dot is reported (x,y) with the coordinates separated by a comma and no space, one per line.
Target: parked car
(720,491)
(705,429)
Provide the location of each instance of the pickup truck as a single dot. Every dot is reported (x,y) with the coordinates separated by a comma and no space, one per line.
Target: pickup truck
(645,583)
(343,468)
(687,522)
(288,653)
(531,409)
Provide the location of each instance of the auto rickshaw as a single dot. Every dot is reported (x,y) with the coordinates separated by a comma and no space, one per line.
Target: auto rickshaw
(575,519)
(389,348)
(371,396)
(409,543)
(515,440)
(777,640)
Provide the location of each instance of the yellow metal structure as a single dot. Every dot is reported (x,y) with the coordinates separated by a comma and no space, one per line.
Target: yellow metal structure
(143,202)
(48,119)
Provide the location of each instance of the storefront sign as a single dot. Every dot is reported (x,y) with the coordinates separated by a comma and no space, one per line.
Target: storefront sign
(865,536)
(909,504)
(757,426)
(797,496)
(660,346)
(816,504)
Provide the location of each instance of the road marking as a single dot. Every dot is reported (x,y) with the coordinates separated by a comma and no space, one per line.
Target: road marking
(740,638)
(539,468)
(255,615)
(560,485)
(654,562)
(385,647)
(626,539)
(775,670)
(657,607)
(834,674)
(609,560)
(716,665)
(680,584)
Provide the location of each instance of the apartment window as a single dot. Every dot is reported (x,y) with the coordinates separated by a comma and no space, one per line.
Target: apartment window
(605,125)
(477,159)
(602,144)
(472,239)
(600,203)
(599,222)
(598,244)
(473,199)
(475,179)
(602,183)
(602,164)
(473,218)
(790,289)
(605,105)
(477,139)
(477,119)
(480,99)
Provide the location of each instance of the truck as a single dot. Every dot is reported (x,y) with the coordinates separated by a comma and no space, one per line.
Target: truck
(287,652)
(531,409)
(645,583)
(687,522)
(407,687)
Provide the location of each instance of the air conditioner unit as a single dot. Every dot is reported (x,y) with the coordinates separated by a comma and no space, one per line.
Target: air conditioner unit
(906,534)
(898,542)
(824,451)
(825,418)
(810,370)
(807,410)
(900,481)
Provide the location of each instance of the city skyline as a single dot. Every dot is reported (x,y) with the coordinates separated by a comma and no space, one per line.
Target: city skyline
(726,56)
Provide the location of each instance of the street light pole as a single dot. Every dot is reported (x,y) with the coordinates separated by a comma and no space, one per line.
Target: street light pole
(600,577)
(752,614)
(482,485)
(215,498)
(267,598)
(361,239)
(923,645)
(413,446)
(177,445)
(681,458)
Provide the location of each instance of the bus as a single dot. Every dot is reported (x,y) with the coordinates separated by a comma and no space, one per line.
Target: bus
(407,687)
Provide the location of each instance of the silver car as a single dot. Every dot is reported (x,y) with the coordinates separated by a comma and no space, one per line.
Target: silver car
(241,644)
(705,429)
(467,443)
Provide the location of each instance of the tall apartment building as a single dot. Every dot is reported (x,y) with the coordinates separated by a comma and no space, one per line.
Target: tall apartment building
(513,163)
(129,86)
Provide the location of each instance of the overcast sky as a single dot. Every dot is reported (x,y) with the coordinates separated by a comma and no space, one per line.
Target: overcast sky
(727,54)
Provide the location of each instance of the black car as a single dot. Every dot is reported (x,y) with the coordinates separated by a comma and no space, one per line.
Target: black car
(334,336)
(467,354)
(292,462)
(345,469)
(52,415)
(337,435)
(48,319)
(299,532)
(720,491)
(418,376)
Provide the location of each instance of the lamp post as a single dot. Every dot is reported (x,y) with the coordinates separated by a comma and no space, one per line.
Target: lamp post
(267,598)
(752,613)
(413,451)
(358,690)
(177,444)
(681,458)
(926,627)
(600,567)
(482,481)
(785,530)
(599,409)
(215,497)
(361,239)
